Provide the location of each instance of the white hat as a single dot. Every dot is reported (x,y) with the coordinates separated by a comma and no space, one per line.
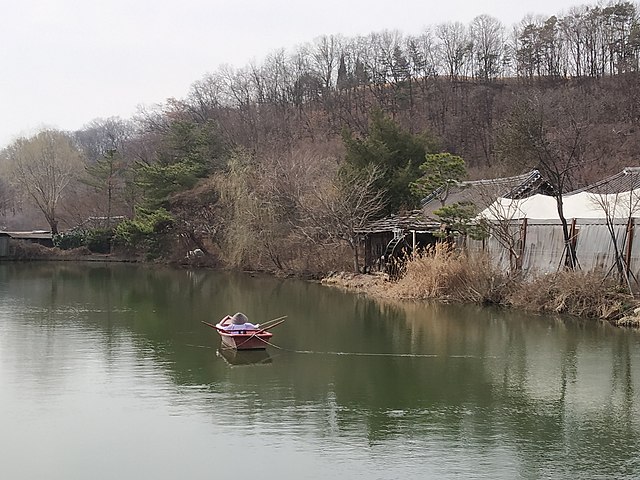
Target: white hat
(239,319)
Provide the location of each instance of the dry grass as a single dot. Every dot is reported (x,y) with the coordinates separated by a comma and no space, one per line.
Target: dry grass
(24,250)
(445,273)
(583,294)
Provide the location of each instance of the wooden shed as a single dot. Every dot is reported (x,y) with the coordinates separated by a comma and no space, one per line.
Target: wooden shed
(4,244)
(395,236)
(37,236)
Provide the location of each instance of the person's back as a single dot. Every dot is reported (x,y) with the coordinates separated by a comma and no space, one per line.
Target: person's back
(240,322)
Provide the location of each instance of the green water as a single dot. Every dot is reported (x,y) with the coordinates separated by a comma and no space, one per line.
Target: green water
(106,372)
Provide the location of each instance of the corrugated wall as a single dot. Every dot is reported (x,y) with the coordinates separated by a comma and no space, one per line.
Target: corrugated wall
(543,245)
(594,245)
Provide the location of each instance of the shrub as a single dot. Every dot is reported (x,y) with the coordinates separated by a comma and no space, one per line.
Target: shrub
(95,240)
(143,227)
(70,239)
(99,240)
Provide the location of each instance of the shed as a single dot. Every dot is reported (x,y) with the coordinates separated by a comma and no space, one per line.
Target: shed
(4,244)
(395,235)
(602,218)
(37,236)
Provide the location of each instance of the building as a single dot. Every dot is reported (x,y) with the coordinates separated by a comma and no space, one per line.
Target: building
(397,235)
(601,220)
(38,236)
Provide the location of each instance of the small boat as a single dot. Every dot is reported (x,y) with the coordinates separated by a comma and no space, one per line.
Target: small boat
(253,337)
(242,339)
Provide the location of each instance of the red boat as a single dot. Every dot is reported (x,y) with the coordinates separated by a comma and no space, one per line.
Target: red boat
(243,337)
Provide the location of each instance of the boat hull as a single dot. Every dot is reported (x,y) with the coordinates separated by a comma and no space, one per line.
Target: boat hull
(245,341)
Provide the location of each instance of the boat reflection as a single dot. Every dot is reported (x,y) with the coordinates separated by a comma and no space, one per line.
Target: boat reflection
(236,358)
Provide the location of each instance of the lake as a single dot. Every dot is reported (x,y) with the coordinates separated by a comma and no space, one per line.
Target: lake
(106,372)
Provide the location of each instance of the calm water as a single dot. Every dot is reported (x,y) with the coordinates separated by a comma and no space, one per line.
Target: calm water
(106,372)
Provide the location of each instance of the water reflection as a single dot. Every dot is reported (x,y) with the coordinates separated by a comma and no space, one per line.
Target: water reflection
(392,389)
(247,357)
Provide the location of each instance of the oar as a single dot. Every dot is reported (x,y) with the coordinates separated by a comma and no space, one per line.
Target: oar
(272,321)
(214,326)
(277,321)
(269,327)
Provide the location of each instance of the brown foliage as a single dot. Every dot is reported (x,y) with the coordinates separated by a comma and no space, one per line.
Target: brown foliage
(445,273)
(584,294)
(23,250)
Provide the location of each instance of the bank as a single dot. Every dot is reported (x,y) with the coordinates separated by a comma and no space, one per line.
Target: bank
(444,275)
(573,293)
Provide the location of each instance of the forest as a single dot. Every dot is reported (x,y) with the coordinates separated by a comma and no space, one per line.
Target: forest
(274,165)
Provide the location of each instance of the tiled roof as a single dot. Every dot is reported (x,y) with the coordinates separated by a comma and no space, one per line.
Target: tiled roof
(479,192)
(413,220)
(624,181)
(484,192)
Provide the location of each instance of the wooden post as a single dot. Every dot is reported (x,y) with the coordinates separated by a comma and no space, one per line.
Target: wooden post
(629,248)
(413,232)
(574,240)
(523,241)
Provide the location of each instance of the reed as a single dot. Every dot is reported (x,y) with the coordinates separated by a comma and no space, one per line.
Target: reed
(583,294)
(445,273)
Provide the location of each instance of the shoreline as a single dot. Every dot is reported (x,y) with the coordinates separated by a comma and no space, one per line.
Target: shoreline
(378,286)
(375,285)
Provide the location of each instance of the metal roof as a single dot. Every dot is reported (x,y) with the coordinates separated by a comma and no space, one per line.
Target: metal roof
(34,235)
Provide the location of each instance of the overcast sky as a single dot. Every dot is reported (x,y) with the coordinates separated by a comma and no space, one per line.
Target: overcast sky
(66,62)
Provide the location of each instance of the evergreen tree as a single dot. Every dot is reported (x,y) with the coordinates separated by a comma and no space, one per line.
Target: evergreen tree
(439,173)
(396,153)
(343,78)
(189,151)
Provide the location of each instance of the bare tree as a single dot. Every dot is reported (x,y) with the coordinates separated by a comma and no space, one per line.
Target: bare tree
(104,135)
(502,218)
(338,212)
(42,167)
(488,37)
(325,54)
(454,47)
(552,139)
(6,196)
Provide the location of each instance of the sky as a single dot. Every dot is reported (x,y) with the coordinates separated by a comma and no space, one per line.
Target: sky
(64,63)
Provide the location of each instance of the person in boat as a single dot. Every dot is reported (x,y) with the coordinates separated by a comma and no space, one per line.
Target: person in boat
(240,322)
